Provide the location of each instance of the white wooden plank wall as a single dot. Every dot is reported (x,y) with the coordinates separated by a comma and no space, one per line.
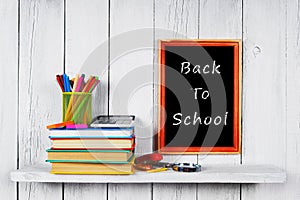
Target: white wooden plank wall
(40,38)
(264,90)
(292,161)
(9,94)
(41,57)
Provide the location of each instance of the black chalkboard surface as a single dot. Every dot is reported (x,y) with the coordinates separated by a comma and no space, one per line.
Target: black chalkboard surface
(199,96)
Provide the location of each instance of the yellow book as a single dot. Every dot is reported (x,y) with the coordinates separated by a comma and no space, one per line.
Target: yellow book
(92,168)
(97,156)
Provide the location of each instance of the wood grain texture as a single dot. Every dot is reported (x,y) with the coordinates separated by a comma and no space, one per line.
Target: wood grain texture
(181,192)
(174,19)
(85,191)
(41,57)
(217,191)
(129,191)
(84,37)
(220,19)
(293,100)
(264,91)
(9,91)
(131,78)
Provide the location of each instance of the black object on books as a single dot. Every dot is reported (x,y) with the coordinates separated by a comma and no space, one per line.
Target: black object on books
(113,121)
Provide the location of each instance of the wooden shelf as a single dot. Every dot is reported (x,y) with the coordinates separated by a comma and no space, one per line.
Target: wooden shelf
(209,174)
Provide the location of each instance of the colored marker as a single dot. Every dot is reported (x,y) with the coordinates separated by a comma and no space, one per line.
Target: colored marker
(157,170)
(59,125)
(60,83)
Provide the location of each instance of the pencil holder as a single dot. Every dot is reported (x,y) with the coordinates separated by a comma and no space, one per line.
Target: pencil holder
(77,107)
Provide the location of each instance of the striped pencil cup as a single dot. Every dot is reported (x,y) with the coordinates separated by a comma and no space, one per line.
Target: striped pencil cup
(77,107)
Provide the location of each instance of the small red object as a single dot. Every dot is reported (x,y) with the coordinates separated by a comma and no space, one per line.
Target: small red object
(143,167)
(149,158)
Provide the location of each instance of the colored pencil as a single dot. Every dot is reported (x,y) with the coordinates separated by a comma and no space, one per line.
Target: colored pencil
(65,83)
(75,83)
(83,83)
(72,96)
(60,83)
(61,80)
(69,84)
(78,84)
(97,82)
(89,85)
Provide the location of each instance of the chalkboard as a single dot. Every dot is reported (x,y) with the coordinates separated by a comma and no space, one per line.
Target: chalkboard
(199,95)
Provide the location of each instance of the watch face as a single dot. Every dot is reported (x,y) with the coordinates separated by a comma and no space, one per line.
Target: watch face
(186,167)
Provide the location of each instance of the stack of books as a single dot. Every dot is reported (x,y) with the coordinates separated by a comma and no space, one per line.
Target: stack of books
(99,150)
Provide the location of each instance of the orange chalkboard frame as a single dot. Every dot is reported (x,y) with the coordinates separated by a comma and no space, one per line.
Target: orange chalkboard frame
(236,148)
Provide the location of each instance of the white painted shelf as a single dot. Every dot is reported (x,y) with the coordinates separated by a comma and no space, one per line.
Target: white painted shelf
(209,174)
